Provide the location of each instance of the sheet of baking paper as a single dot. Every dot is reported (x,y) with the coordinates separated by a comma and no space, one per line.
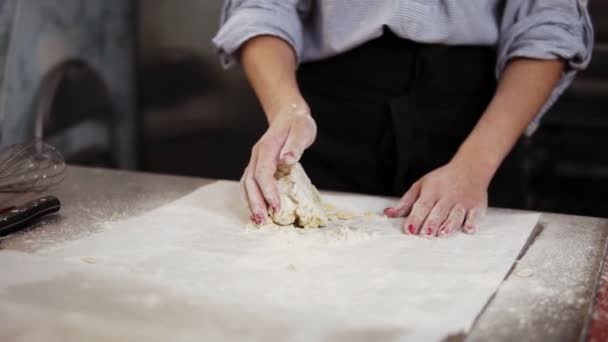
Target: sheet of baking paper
(358,279)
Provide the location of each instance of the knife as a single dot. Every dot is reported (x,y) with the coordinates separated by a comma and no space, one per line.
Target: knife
(14,219)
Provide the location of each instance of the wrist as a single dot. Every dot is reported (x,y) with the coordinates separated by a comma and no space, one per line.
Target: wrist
(295,107)
(479,162)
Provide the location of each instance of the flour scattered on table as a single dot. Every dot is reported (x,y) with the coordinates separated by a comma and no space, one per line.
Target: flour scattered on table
(334,233)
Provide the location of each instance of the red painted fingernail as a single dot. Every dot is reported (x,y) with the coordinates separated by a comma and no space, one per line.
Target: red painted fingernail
(429,231)
(259,219)
(411,229)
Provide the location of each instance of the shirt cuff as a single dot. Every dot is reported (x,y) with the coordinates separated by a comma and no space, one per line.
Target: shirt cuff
(247,23)
(549,35)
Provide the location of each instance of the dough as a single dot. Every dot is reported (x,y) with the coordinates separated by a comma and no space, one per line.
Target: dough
(89,260)
(524,273)
(343,215)
(300,200)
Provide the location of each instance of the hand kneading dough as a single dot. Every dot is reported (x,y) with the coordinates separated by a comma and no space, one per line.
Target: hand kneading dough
(300,200)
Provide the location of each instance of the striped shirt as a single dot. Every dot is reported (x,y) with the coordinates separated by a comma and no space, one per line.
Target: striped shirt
(317,29)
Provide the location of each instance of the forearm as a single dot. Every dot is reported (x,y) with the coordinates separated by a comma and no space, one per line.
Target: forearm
(270,65)
(522,90)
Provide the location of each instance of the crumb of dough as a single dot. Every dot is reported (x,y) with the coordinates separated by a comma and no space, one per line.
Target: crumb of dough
(524,273)
(371,214)
(89,260)
(291,268)
(251,226)
(300,201)
(343,215)
(329,207)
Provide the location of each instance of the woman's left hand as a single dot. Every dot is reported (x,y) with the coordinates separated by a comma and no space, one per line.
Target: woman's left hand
(443,201)
(456,194)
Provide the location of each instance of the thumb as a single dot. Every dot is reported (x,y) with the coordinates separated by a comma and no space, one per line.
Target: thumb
(301,135)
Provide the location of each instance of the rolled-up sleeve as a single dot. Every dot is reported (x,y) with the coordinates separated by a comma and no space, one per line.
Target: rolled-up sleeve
(556,29)
(242,20)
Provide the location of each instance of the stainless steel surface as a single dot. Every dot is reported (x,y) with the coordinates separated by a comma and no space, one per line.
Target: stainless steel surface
(549,294)
(546,297)
(91,197)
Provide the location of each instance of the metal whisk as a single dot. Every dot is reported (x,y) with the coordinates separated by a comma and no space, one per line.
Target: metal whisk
(33,166)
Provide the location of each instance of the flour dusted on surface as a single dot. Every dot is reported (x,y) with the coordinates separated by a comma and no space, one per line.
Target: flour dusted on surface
(300,200)
(335,233)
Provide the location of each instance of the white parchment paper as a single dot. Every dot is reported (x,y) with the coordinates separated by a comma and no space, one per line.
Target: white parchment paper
(359,279)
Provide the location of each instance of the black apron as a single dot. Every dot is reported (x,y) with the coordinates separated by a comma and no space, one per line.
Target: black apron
(392,110)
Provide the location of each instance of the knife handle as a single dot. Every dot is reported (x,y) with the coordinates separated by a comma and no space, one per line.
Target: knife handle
(23,216)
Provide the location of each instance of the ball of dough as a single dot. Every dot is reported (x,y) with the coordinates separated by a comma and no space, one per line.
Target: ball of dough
(300,200)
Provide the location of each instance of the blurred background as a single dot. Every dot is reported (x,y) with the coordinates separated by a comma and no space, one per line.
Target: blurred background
(137,84)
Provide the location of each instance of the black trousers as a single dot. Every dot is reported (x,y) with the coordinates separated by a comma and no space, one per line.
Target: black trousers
(392,110)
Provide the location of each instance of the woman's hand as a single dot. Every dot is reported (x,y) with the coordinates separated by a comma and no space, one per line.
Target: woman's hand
(270,64)
(455,195)
(443,201)
(291,131)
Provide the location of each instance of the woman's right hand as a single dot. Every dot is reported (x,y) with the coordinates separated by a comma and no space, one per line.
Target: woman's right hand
(291,131)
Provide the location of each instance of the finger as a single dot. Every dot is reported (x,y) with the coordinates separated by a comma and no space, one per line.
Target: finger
(420,211)
(255,198)
(436,217)
(474,216)
(243,192)
(404,206)
(265,168)
(301,135)
(453,222)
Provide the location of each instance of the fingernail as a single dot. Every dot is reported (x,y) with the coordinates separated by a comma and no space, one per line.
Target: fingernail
(274,207)
(389,211)
(469,229)
(259,219)
(443,231)
(252,218)
(411,229)
(429,231)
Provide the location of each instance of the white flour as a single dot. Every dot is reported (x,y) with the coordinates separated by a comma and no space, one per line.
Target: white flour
(336,233)
(355,278)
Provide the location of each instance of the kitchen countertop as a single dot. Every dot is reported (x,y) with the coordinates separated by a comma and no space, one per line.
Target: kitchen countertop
(548,296)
